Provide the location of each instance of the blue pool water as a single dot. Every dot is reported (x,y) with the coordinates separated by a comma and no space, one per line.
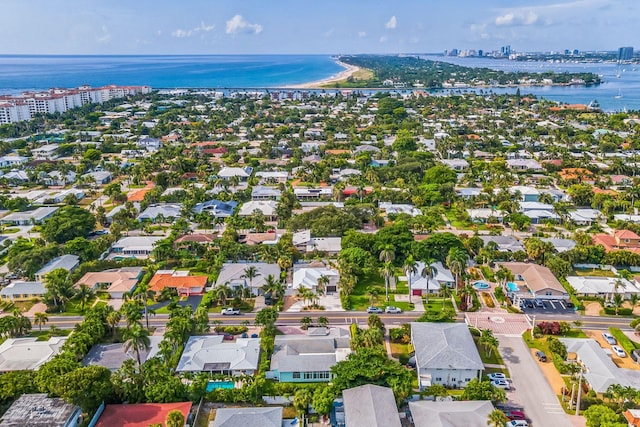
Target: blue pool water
(212,385)
(512,287)
(481,285)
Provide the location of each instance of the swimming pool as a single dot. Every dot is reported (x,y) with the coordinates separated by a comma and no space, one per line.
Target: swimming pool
(213,385)
(481,285)
(512,287)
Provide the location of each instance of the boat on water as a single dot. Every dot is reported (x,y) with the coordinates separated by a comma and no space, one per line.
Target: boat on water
(619,95)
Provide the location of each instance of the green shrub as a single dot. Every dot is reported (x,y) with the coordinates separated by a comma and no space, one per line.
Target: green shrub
(233,330)
(611,311)
(560,364)
(623,340)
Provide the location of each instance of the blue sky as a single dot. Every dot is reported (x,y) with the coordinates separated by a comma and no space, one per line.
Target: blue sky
(319,26)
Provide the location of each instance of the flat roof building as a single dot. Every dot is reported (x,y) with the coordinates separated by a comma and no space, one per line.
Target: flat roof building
(38,410)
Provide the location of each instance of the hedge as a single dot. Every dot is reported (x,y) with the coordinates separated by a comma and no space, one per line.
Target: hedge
(623,340)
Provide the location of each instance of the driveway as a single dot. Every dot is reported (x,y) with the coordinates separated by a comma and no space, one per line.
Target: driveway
(530,386)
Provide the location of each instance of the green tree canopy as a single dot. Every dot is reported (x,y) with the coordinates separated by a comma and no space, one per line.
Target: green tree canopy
(68,223)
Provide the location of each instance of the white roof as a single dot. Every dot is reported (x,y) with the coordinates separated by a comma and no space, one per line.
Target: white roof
(469,413)
(307,277)
(442,275)
(137,242)
(18,354)
(212,353)
(267,207)
(601,285)
(228,172)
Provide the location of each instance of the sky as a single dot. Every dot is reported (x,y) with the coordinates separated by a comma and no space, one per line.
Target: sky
(313,26)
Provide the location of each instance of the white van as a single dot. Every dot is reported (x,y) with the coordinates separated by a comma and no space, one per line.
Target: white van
(516,423)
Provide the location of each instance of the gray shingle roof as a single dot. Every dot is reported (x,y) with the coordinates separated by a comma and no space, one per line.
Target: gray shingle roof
(450,414)
(444,346)
(370,406)
(305,353)
(248,417)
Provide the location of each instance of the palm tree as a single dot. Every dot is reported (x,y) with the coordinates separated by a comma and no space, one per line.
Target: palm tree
(497,418)
(467,291)
(373,294)
(445,291)
(84,295)
(113,320)
(457,261)
(305,322)
(410,268)
(488,341)
(143,293)
(323,321)
(387,254)
(323,282)
(387,271)
(428,272)
(250,273)
(137,339)
(617,302)
(175,418)
(40,319)
(222,293)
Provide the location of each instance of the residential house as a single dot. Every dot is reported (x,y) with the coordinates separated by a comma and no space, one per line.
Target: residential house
(504,243)
(179,280)
(210,353)
(309,278)
(57,178)
(303,241)
(112,356)
(216,208)
(471,413)
(430,285)
(12,161)
(633,417)
(585,216)
(560,245)
(22,291)
(36,216)
(317,193)
(266,207)
(308,358)
(535,281)
(622,240)
(250,417)
(538,212)
(366,149)
(265,193)
(45,152)
(396,208)
(140,247)
(600,370)
(138,414)
(16,177)
(482,215)
(38,410)
(603,287)
(149,144)
(99,177)
(28,354)
(457,165)
(446,354)
(116,282)
(370,405)
(277,177)
(234,275)
(243,174)
(523,165)
(161,212)
(66,262)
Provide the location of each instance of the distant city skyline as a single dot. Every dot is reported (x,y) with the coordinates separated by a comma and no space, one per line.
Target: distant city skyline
(302,26)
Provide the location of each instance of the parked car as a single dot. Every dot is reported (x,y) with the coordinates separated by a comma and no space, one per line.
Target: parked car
(538,303)
(541,356)
(528,303)
(497,376)
(504,384)
(228,337)
(513,414)
(618,351)
(609,338)
(392,310)
(635,355)
(230,311)
(374,310)
(516,423)
(569,304)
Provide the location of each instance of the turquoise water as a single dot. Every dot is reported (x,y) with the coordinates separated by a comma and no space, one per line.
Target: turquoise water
(512,287)
(213,385)
(481,285)
(20,72)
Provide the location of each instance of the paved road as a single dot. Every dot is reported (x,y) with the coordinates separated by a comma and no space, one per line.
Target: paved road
(530,386)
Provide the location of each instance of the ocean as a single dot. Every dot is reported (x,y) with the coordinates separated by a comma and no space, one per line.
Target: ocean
(35,72)
(27,72)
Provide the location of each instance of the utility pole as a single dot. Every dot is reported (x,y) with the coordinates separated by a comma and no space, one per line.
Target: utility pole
(579,393)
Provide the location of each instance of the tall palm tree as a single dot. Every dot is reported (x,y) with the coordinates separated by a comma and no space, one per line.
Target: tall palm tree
(40,319)
(387,271)
(445,291)
(428,272)
(84,295)
(323,282)
(113,319)
(497,418)
(137,339)
(222,293)
(467,291)
(387,254)
(250,273)
(457,261)
(410,269)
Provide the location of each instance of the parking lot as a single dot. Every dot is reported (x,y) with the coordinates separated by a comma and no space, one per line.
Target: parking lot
(533,306)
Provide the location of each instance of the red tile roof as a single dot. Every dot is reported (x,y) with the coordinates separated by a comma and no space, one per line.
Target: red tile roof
(160,281)
(140,414)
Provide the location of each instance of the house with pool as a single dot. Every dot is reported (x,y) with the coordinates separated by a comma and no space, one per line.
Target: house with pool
(532,281)
(308,358)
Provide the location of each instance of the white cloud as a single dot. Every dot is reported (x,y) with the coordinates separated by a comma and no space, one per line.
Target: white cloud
(362,34)
(383,39)
(105,37)
(238,24)
(524,17)
(202,28)
(391,23)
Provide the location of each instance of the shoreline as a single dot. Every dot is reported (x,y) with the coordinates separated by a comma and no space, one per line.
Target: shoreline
(318,84)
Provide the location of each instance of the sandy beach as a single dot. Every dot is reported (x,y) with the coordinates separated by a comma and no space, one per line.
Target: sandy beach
(348,71)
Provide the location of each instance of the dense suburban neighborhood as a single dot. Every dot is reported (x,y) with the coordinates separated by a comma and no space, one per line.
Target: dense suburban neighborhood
(339,258)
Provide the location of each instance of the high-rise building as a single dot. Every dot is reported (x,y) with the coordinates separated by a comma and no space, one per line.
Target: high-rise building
(505,50)
(625,53)
(480,52)
(566,52)
(576,52)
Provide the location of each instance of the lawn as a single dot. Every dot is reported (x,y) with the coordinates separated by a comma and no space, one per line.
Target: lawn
(359,298)
(593,272)
(493,358)
(46,333)
(401,352)
(436,303)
